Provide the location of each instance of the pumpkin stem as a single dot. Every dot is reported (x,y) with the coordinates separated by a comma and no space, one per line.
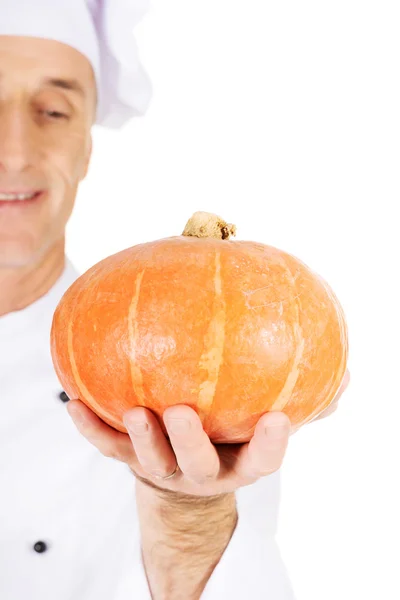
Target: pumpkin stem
(208,225)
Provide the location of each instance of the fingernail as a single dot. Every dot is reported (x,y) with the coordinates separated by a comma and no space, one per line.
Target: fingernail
(178,426)
(158,474)
(139,427)
(77,417)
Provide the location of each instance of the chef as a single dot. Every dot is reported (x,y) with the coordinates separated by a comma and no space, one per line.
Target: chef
(86,512)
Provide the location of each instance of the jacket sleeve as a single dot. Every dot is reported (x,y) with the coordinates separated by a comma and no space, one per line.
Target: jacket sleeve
(251,566)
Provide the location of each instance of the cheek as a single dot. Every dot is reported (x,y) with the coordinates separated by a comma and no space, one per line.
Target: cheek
(66,166)
(63,177)
(66,162)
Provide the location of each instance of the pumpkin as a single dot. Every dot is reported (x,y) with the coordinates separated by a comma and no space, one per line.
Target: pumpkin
(233,329)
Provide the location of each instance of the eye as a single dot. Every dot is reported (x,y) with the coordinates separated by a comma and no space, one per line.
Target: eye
(55,115)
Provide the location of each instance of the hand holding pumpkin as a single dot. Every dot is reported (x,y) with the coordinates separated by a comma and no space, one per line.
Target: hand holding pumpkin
(204,469)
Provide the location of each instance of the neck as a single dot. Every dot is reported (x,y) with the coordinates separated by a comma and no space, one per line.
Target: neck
(20,287)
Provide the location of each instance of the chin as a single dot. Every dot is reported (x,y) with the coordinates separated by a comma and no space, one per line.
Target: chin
(19,256)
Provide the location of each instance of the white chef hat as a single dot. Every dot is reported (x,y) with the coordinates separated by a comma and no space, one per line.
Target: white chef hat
(102,30)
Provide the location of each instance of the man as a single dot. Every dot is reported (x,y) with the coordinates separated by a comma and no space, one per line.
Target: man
(74,524)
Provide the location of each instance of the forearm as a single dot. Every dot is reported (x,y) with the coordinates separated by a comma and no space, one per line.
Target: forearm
(183,538)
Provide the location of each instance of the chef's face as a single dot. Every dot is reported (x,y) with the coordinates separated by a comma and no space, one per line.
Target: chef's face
(47,107)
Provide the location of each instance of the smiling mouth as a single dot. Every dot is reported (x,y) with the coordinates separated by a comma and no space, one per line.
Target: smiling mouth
(19,198)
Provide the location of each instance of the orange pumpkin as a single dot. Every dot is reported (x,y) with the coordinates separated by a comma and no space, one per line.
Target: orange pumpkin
(231,328)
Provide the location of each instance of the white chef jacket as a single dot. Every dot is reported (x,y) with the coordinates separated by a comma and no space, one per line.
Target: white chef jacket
(58,489)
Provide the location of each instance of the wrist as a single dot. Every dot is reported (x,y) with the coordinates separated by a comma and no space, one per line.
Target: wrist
(164,513)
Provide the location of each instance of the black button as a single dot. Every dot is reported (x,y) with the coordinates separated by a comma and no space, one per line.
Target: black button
(63,397)
(40,547)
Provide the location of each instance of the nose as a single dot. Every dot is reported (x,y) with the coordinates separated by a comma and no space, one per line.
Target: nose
(16,140)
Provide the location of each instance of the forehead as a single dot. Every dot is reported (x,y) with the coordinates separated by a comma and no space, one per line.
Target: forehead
(25,60)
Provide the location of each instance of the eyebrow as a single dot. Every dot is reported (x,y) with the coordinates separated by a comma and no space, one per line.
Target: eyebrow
(71,85)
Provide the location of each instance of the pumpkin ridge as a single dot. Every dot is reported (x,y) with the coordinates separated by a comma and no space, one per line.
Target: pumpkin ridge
(342,369)
(84,394)
(136,372)
(212,357)
(293,375)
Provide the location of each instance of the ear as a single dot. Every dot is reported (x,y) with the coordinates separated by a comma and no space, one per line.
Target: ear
(87,158)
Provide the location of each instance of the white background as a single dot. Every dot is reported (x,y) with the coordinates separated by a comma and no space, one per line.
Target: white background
(283,117)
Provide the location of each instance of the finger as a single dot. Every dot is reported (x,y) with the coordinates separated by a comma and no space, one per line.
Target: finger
(343,386)
(110,442)
(328,411)
(264,453)
(333,406)
(152,448)
(196,455)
